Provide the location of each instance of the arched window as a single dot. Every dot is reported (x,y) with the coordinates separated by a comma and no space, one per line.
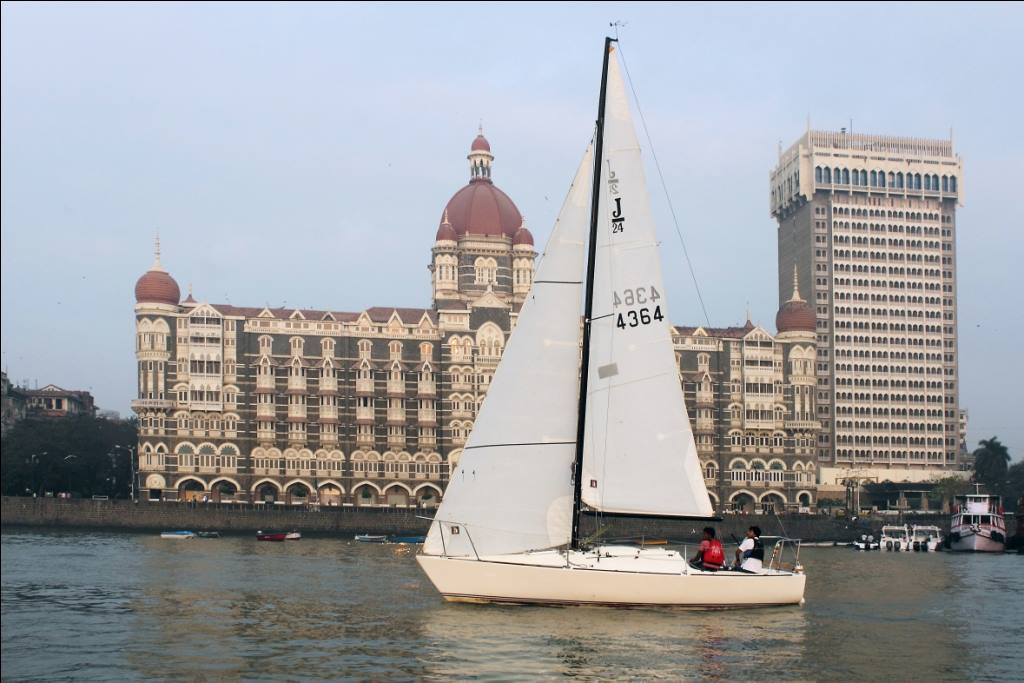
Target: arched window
(818,174)
(486,270)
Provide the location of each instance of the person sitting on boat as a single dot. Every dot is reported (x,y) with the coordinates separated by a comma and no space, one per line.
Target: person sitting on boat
(710,555)
(750,554)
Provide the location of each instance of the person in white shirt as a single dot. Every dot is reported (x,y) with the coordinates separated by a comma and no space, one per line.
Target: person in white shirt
(750,554)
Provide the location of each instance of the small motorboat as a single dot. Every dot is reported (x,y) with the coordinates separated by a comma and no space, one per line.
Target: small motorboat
(371,538)
(178,535)
(866,542)
(293,536)
(895,538)
(208,534)
(925,538)
(271,536)
(408,540)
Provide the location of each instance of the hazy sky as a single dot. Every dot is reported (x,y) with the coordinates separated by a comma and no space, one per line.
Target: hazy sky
(302,154)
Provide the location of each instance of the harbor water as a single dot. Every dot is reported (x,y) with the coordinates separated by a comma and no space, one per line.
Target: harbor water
(114,606)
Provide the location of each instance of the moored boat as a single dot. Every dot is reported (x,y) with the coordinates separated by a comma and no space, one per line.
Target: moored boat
(895,538)
(276,536)
(371,538)
(407,540)
(208,534)
(178,535)
(866,542)
(293,536)
(978,524)
(925,537)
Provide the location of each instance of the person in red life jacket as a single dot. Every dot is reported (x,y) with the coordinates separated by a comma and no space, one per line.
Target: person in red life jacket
(710,555)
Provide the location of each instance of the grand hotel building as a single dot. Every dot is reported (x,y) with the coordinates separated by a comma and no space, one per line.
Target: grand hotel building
(869,222)
(372,408)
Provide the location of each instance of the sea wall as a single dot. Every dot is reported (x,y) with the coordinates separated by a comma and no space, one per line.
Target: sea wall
(342,521)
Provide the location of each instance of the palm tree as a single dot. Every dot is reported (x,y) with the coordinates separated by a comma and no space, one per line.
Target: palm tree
(991,460)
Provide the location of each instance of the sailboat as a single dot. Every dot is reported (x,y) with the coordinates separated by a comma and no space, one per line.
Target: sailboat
(553,443)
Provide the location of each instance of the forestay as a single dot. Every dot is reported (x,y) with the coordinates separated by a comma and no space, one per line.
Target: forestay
(639,453)
(512,488)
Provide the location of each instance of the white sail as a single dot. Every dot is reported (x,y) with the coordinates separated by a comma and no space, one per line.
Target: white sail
(639,453)
(512,488)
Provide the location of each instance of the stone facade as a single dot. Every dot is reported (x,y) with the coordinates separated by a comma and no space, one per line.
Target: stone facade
(372,408)
(869,222)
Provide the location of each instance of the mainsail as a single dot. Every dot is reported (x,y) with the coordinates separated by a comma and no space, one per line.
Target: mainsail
(639,454)
(512,490)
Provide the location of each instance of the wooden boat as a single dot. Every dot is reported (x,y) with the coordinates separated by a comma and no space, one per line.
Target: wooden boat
(371,538)
(178,535)
(271,536)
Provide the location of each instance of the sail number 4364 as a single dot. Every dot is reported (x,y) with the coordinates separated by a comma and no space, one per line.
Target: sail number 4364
(634,298)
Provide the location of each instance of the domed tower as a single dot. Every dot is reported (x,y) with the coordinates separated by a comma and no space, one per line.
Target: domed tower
(156,309)
(797,322)
(482,244)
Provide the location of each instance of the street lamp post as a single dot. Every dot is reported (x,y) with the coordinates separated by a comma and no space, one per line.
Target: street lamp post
(131,464)
(68,458)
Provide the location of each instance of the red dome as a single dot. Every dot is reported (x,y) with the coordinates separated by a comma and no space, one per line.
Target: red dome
(446,232)
(796,316)
(480,144)
(523,236)
(480,208)
(157,287)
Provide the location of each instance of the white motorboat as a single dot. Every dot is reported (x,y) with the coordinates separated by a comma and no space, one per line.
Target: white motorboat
(612,440)
(896,538)
(978,524)
(925,537)
(178,535)
(866,542)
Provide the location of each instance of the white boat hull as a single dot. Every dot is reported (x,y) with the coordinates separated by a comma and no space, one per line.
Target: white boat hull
(976,543)
(551,582)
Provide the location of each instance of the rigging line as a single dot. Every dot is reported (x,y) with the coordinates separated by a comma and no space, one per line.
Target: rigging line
(664,187)
(532,443)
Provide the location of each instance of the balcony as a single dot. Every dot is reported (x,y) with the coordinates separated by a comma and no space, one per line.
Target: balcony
(296,413)
(329,412)
(396,416)
(152,404)
(364,386)
(329,385)
(297,385)
(426,389)
(428,443)
(427,416)
(705,424)
(801,425)
(364,414)
(265,411)
(462,385)
(396,388)
(265,383)
(705,398)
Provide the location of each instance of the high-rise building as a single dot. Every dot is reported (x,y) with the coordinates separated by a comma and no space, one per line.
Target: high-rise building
(869,223)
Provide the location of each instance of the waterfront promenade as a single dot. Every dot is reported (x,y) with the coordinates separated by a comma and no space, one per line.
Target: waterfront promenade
(345,521)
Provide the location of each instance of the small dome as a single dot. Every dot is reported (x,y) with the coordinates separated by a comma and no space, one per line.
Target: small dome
(796,316)
(480,144)
(522,236)
(446,232)
(157,287)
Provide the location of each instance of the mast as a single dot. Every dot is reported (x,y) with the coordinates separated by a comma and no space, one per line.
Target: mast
(588,306)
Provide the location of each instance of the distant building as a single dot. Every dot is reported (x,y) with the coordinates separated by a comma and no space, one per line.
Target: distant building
(53,401)
(14,403)
(869,222)
(751,399)
(368,408)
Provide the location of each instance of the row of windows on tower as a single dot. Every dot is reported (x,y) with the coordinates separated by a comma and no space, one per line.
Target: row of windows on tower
(911,181)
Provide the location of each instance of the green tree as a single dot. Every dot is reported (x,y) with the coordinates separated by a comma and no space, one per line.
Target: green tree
(83,455)
(1014,487)
(948,488)
(991,460)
